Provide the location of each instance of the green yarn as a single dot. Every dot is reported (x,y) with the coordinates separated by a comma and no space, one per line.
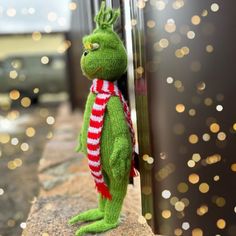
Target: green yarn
(109,60)
(99,226)
(105,58)
(90,215)
(106,17)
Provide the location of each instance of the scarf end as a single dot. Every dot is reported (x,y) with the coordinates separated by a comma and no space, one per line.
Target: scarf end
(103,190)
(133,171)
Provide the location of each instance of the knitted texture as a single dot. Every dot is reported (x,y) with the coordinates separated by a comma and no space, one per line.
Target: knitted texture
(105,58)
(104,90)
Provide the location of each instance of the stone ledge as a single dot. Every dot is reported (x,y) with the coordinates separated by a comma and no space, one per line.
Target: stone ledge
(67,188)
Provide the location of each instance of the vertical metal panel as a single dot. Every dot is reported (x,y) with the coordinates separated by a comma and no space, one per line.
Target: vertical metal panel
(188,79)
(81,24)
(140,81)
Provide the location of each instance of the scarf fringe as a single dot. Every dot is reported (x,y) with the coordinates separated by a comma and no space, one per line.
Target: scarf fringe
(103,190)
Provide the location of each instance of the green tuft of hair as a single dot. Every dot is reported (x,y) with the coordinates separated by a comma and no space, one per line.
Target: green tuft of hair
(106,17)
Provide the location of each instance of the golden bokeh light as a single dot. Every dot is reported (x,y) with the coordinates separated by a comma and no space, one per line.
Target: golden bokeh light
(178,232)
(191,163)
(179,206)
(173,200)
(44,60)
(213,159)
(178,84)
(216,178)
(36,36)
(206,137)
(11,12)
(151,24)
(179,53)
(193,178)
(193,138)
(191,34)
(208,101)
(170,80)
(201,86)
(209,48)
(196,157)
(202,210)
(14,94)
(178,4)
(148,216)
(140,70)
(164,43)
(180,108)
(25,102)
(4,138)
(166,194)
(204,13)
(24,147)
(170,26)
(30,132)
(192,112)
(72,6)
(50,120)
(145,157)
(197,232)
(141,4)
(221,223)
(221,136)
(204,187)
(214,128)
(220,201)
(233,167)
(196,20)
(160,5)
(36,90)
(234,126)
(215,7)
(166,214)
(13,74)
(182,187)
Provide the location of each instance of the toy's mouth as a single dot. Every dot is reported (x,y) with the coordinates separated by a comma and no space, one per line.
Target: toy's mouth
(98,69)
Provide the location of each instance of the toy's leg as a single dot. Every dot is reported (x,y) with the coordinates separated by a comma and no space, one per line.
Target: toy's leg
(92,214)
(112,211)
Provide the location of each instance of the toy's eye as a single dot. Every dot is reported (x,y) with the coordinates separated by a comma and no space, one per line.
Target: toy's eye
(86,53)
(94,46)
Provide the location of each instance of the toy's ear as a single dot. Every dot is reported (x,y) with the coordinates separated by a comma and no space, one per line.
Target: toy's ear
(106,17)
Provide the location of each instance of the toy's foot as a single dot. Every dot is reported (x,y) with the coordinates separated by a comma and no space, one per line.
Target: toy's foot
(96,227)
(90,215)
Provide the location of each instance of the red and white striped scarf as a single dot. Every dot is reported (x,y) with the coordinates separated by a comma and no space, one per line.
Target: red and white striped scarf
(104,90)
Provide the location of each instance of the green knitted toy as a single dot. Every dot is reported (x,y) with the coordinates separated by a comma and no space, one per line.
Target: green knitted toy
(107,136)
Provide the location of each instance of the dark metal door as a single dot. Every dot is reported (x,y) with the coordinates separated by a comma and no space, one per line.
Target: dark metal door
(184,61)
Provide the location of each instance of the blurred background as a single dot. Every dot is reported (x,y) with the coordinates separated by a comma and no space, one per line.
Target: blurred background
(33,82)
(180,86)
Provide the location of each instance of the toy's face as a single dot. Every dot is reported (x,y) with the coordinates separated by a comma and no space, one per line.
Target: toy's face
(104,56)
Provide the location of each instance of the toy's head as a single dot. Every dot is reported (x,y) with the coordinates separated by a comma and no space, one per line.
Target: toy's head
(104,54)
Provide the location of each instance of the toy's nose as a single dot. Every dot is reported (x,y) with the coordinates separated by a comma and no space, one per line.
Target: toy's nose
(86,53)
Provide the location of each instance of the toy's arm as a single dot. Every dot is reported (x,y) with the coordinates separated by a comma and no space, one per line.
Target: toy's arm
(82,137)
(79,143)
(122,148)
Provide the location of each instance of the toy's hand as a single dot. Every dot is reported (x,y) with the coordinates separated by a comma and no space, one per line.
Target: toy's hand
(79,147)
(119,160)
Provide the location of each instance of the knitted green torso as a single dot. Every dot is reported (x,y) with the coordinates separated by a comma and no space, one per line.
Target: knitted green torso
(111,123)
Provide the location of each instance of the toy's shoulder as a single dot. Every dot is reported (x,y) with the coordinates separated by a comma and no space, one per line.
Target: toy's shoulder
(114,101)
